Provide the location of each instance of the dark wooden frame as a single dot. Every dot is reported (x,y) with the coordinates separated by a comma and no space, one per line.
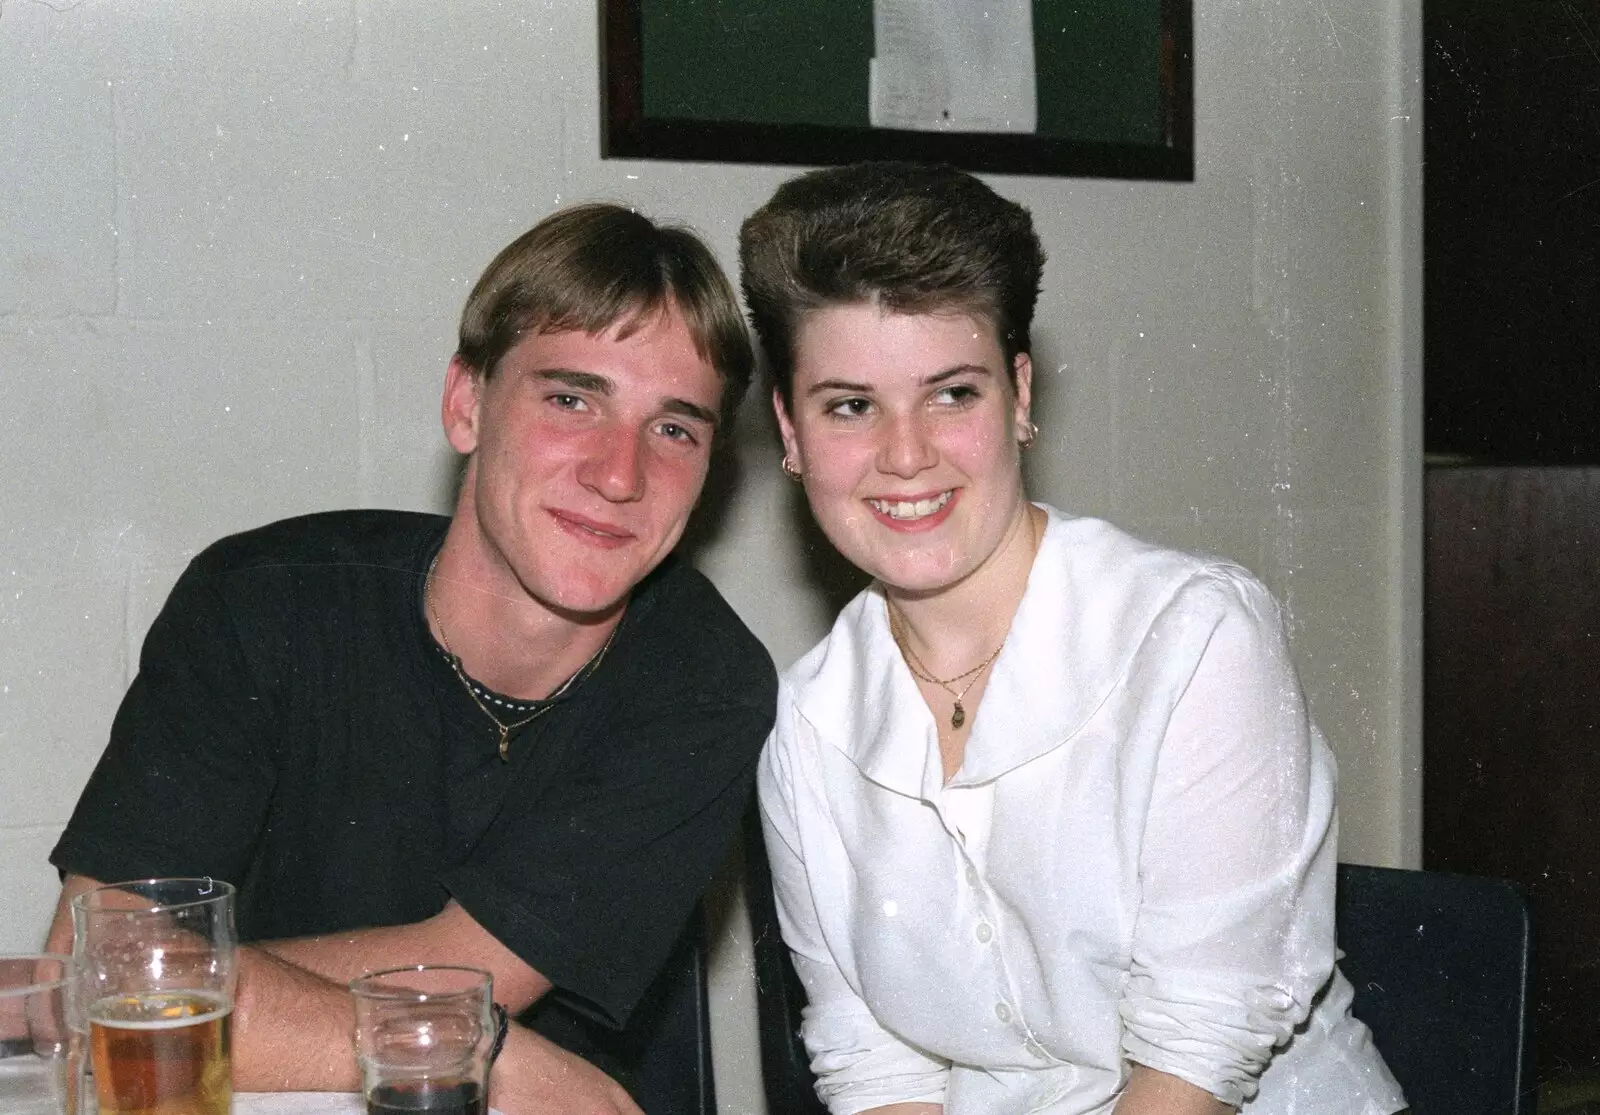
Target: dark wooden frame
(627,133)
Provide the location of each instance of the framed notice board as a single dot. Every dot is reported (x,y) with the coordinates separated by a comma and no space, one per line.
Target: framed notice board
(1098,88)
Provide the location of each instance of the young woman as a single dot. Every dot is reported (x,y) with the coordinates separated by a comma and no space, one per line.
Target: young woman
(1049,828)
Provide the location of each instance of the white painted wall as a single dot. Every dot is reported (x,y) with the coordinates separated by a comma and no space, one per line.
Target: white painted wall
(235,235)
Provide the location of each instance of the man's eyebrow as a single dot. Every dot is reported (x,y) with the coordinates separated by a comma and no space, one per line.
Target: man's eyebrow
(578,381)
(689,410)
(600,385)
(837,385)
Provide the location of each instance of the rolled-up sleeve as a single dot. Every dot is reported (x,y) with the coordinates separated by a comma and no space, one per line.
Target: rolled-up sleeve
(1234,931)
(858,1063)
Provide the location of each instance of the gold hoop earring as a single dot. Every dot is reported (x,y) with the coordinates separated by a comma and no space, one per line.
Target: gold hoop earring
(1029,436)
(790,470)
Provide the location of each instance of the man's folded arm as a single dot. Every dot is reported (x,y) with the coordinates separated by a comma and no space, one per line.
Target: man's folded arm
(293,1015)
(451,936)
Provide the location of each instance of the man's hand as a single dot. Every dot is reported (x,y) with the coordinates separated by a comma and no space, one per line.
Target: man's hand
(537,1077)
(60,937)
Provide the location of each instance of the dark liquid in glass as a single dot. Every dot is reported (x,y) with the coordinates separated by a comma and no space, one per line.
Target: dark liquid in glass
(433,1097)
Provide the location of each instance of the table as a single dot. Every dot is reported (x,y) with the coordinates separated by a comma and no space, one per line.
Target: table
(302,1103)
(298,1103)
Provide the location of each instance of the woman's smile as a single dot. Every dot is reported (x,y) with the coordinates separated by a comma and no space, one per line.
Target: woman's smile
(915,512)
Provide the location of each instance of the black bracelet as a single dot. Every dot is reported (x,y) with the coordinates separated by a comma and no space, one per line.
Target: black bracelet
(502,1023)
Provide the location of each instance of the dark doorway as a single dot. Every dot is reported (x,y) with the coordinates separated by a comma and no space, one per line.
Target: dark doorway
(1511,784)
(1511,258)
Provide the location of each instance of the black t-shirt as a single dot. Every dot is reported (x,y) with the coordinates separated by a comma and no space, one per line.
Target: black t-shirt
(294,729)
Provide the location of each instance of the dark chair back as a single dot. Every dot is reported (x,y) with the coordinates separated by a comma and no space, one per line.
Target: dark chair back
(785,1067)
(672,1068)
(1442,970)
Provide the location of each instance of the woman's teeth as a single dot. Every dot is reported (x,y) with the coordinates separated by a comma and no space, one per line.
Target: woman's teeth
(909,509)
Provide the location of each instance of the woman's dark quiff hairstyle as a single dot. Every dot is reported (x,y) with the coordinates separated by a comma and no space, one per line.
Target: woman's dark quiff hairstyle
(909,237)
(594,266)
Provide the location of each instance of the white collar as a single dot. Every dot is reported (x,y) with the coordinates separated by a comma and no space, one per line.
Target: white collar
(1091,596)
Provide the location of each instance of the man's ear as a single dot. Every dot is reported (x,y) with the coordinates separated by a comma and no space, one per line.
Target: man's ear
(791,444)
(461,405)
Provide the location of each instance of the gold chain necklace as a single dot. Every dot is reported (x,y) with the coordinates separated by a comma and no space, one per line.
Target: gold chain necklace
(505,729)
(958,715)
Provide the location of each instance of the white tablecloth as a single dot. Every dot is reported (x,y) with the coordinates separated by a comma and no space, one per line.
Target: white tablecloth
(301,1103)
(298,1103)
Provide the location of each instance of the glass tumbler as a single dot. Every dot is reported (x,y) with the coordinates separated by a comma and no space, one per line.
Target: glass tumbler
(423,1039)
(38,1051)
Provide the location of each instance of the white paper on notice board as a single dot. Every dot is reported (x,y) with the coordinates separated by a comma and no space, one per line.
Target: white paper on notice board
(953,65)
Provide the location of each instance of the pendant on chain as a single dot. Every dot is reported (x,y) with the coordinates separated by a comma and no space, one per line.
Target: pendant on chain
(959,716)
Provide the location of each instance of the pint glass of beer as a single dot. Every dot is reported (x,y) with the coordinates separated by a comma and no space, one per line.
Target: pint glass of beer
(424,1038)
(38,1055)
(154,969)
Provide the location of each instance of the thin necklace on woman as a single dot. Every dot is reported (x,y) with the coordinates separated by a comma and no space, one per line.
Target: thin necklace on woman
(958,714)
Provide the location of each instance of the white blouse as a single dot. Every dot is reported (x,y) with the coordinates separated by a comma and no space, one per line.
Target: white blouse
(1134,863)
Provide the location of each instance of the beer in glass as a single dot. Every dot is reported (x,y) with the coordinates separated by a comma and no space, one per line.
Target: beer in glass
(155,970)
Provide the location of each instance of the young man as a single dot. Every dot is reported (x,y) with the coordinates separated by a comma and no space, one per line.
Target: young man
(519,738)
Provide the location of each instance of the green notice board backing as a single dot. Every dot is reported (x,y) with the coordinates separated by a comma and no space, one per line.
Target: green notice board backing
(786,81)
